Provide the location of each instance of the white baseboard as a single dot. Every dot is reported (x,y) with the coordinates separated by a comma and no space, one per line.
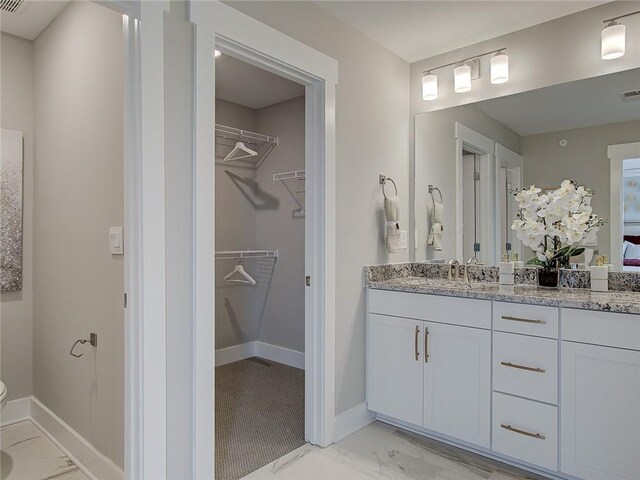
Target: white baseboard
(88,459)
(349,422)
(235,353)
(283,355)
(267,351)
(15,411)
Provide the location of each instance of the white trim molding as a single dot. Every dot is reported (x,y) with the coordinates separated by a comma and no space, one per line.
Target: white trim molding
(352,420)
(283,355)
(87,458)
(220,26)
(617,154)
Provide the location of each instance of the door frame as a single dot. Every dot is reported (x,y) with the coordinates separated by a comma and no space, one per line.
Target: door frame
(617,154)
(469,139)
(511,161)
(220,26)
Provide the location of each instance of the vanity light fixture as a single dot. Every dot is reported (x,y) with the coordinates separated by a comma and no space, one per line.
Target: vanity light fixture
(466,70)
(613,37)
(217,53)
(499,68)
(429,86)
(462,78)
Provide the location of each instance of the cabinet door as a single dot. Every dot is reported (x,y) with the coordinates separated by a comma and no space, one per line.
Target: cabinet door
(600,412)
(394,367)
(457,382)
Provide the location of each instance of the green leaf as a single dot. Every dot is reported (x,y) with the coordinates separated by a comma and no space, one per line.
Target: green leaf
(535,261)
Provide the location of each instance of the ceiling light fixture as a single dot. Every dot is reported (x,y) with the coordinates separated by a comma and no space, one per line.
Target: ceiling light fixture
(462,78)
(429,86)
(499,68)
(613,37)
(466,70)
(217,53)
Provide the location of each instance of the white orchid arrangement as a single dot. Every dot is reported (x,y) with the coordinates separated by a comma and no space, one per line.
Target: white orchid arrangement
(553,224)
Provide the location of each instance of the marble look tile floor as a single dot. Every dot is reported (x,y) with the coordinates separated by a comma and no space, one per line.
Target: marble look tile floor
(28,454)
(383,452)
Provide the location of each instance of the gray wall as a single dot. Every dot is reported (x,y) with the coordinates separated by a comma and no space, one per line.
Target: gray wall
(435,153)
(16,308)
(236,320)
(282,323)
(372,137)
(78,178)
(584,158)
(254,212)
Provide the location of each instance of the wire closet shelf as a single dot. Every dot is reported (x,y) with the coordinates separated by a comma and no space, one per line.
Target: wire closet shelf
(235,145)
(242,254)
(293,175)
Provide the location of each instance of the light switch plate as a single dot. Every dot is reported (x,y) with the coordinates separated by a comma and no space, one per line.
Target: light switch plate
(116,241)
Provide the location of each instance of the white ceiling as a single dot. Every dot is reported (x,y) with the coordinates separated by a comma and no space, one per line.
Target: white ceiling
(244,84)
(584,103)
(415,30)
(31,18)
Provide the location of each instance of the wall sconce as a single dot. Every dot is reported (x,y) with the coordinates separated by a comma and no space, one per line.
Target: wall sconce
(429,86)
(613,37)
(462,78)
(499,68)
(466,70)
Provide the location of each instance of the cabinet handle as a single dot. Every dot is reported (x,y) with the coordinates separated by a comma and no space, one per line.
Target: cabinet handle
(525,320)
(523,367)
(522,432)
(416,343)
(426,345)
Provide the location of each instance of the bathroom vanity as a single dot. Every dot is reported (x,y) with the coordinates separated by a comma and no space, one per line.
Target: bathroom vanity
(546,380)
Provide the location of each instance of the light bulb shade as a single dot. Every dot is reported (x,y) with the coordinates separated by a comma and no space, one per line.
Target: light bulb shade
(499,68)
(462,78)
(613,41)
(217,53)
(429,86)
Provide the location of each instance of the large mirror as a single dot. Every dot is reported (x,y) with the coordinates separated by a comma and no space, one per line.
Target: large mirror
(469,159)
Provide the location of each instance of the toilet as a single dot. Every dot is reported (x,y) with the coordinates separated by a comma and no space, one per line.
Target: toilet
(3,395)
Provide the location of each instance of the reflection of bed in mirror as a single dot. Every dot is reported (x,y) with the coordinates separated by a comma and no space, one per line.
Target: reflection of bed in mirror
(631,253)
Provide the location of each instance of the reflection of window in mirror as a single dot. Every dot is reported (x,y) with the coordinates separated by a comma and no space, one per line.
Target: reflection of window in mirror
(631,214)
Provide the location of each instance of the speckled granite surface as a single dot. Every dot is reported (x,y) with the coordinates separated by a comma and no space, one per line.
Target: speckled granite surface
(621,302)
(432,279)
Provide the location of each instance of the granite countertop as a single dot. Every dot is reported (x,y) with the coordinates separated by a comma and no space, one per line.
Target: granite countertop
(582,298)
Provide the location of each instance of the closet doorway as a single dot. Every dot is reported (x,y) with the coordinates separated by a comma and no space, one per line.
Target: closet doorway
(259,267)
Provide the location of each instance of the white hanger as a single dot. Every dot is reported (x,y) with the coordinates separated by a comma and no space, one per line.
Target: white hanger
(239,152)
(239,269)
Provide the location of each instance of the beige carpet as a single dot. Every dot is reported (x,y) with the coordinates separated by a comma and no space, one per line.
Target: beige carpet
(259,415)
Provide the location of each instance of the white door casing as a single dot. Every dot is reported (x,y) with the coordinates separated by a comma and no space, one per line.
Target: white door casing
(220,26)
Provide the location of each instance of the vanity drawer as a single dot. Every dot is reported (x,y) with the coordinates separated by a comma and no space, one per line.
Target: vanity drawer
(525,430)
(621,330)
(433,308)
(526,366)
(535,320)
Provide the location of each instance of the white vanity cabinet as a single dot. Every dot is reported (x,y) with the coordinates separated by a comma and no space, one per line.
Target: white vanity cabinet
(552,389)
(430,367)
(600,395)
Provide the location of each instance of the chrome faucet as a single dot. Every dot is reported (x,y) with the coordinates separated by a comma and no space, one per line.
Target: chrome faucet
(453,263)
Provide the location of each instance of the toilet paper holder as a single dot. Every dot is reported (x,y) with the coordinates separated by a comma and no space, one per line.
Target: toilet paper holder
(93,341)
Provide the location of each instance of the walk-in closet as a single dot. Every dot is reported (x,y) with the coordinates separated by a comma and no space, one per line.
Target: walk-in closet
(259,267)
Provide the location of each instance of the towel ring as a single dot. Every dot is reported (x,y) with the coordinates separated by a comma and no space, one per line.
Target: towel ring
(383,182)
(431,190)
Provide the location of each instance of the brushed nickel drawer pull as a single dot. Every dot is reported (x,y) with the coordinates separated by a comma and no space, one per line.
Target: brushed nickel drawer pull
(522,432)
(523,367)
(525,320)
(416,342)
(426,345)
